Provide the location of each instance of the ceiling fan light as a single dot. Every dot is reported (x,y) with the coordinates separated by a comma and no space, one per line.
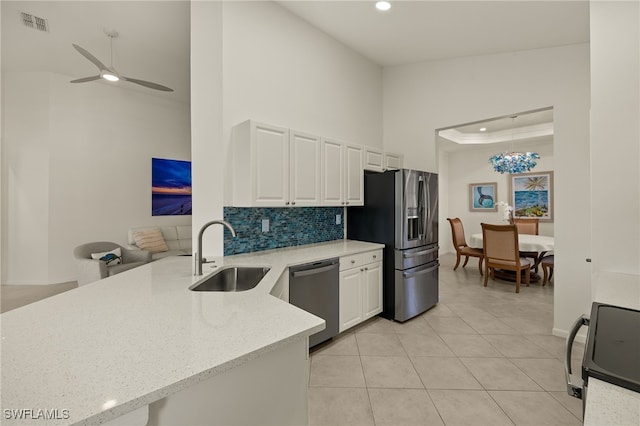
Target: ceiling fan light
(109,76)
(383,5)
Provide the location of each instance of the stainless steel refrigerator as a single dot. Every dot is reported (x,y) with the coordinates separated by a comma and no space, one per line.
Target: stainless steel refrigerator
(401,210)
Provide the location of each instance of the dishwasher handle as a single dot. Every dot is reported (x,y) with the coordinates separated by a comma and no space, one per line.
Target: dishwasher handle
(314,268)
(313,271)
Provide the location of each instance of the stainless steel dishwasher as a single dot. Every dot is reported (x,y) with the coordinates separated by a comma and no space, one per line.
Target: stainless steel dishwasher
(314,287)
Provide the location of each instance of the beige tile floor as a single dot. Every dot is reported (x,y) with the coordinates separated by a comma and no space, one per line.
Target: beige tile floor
(482,356)
(14,296)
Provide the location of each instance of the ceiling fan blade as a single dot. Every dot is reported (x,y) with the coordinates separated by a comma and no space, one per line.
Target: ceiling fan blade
(85,79)
(147,84)
(90,57)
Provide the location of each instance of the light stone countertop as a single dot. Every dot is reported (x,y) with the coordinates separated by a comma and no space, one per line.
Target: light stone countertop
(608,404)
(107,348)
(611,405)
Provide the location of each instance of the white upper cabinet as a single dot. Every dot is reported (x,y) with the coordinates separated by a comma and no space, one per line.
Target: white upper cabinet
(377,160)
(354,174)
(342,174)
(392,161)
(332,173)
(278,167)
(373,159)
(305,169)
(261,165)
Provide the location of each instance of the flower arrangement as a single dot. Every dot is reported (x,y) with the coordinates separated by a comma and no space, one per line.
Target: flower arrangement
(506,210)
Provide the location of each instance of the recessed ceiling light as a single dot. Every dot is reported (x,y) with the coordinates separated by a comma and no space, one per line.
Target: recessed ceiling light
(383,5)
(483,129)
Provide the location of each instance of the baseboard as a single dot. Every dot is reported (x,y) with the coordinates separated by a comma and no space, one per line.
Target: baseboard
(581,337)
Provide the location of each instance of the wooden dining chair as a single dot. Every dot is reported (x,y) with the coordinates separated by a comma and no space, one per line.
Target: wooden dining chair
(547,268)
(460,244)
(528,226)
(500,244)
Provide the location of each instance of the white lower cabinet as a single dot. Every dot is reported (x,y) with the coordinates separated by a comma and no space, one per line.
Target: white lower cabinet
(372,290)
(360,288)
(350,298)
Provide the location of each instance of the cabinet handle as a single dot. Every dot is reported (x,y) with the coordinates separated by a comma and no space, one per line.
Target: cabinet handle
(286,204)
(374,256)
(347,203)
(293,203)
(353,261)
(361,270)
(366,269)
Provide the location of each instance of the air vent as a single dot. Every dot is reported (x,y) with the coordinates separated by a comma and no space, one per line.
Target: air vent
(34,22)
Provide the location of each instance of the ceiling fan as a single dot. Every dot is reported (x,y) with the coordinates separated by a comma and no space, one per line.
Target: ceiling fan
(109,73)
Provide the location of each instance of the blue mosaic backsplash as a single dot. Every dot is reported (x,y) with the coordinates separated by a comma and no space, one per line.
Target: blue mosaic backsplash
(293,226)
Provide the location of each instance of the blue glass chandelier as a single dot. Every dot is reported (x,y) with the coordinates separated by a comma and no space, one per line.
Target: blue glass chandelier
(514,162)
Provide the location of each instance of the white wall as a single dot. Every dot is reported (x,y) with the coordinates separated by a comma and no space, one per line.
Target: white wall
(207,144)
(615,149)
(276,69)
(471,165)
(280,70)
(79,168)
(420,98)
(25,207)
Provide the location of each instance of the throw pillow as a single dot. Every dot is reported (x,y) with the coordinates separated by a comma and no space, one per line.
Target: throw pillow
(151,240)
(113,257)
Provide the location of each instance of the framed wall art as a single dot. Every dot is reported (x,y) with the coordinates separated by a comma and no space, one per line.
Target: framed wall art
(483,197)
(532,195)
(170,187)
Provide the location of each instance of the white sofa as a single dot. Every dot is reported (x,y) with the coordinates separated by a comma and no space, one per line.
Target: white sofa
(178,239)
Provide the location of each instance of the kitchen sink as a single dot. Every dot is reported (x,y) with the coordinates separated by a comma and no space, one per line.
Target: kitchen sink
(232,278)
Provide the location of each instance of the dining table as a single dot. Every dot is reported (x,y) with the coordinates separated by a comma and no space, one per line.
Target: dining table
(542,244)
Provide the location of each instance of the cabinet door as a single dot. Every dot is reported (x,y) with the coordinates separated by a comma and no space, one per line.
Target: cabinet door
(392,161)
(372,289)
(350,298)
(305,169)
(354,176)
(271,165)
(332,173)
(373,159)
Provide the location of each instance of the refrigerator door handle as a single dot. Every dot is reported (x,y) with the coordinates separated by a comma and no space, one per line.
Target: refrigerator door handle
(419,253)
(574,382)
(421,272)
(422,201)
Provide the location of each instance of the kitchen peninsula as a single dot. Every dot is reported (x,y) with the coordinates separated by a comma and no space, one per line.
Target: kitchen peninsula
(142,338)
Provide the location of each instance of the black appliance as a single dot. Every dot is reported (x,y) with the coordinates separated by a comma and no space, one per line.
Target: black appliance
(612,349)
(401,211)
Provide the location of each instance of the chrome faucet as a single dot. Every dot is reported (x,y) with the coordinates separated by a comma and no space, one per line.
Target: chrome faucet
(199,259)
